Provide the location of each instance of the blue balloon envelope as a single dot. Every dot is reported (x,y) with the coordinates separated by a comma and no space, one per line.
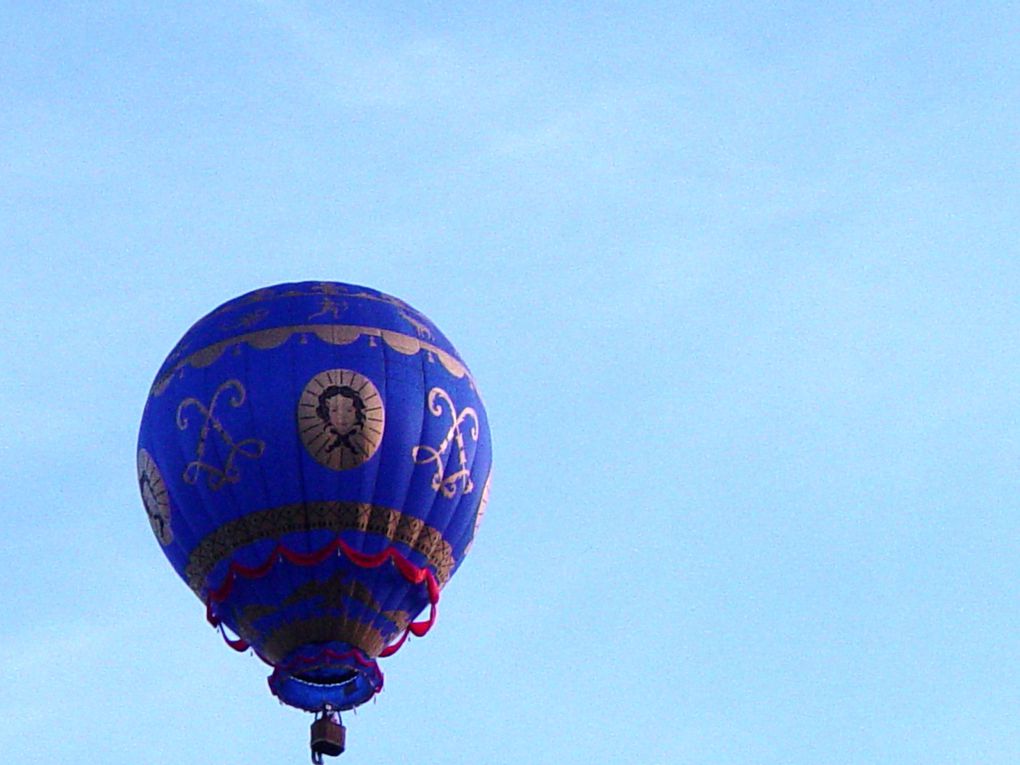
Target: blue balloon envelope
(314,459)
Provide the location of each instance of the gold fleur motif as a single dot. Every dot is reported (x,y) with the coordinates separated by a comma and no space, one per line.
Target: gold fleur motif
(442,482)
(217,476)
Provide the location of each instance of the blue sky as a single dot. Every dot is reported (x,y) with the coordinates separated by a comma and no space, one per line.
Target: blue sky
(739,285)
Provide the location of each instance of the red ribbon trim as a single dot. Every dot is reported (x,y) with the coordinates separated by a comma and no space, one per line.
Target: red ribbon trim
(239,644)
(412,573)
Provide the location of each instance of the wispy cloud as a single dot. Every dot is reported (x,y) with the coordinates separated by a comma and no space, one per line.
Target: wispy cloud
(356,62)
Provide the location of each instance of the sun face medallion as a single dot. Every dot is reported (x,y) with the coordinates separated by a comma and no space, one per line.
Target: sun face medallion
(340,418)
(155,497)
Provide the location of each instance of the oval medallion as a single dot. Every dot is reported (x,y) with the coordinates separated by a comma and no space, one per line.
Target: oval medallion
(340,418)
(154,497)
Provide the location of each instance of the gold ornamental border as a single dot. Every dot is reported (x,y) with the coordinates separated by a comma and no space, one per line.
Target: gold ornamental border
(334,334)
(277,644)
(334,516)
(324,629)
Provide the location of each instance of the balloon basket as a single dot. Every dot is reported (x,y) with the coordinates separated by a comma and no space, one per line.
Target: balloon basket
(328,737)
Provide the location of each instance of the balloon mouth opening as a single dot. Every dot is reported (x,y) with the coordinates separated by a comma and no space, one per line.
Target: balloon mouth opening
(335,675)
(340,678)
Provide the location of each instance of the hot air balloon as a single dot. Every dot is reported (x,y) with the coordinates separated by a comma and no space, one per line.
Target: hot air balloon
(314,459)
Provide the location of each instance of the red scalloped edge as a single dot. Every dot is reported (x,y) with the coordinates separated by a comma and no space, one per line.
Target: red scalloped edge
(328,653)
(412,573)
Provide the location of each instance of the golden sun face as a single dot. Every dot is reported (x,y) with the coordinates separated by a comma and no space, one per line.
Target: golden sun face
(154,497)
(341,418)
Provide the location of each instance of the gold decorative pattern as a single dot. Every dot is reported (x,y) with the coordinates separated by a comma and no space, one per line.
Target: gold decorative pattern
(251,448)
(420,329)
(275,522)
(320,289)
(155,497)
(334,592)
(246,321)
(323,629)
(329,307)
(333,334)
(447,484)
(340,418)
(481,512)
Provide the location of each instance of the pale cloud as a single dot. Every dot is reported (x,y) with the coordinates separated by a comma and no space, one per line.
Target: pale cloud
(353,62)
(593,133)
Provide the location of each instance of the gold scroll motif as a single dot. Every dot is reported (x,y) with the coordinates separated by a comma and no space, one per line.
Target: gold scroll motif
(335,593)
(252,448)
(340,418)
(155,497)
(337,517)
(447,483)
(333,334)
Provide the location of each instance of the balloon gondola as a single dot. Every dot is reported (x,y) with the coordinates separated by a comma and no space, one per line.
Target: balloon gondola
(314,460)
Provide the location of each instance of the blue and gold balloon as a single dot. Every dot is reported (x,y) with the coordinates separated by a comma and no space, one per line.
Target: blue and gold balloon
(314,460)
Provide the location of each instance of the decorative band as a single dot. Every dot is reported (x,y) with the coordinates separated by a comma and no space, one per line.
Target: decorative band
(334,334)
(332,516)
(331,589)
(335,593)
(323,629)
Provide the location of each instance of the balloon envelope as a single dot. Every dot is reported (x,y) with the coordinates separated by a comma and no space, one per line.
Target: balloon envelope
(314,459)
